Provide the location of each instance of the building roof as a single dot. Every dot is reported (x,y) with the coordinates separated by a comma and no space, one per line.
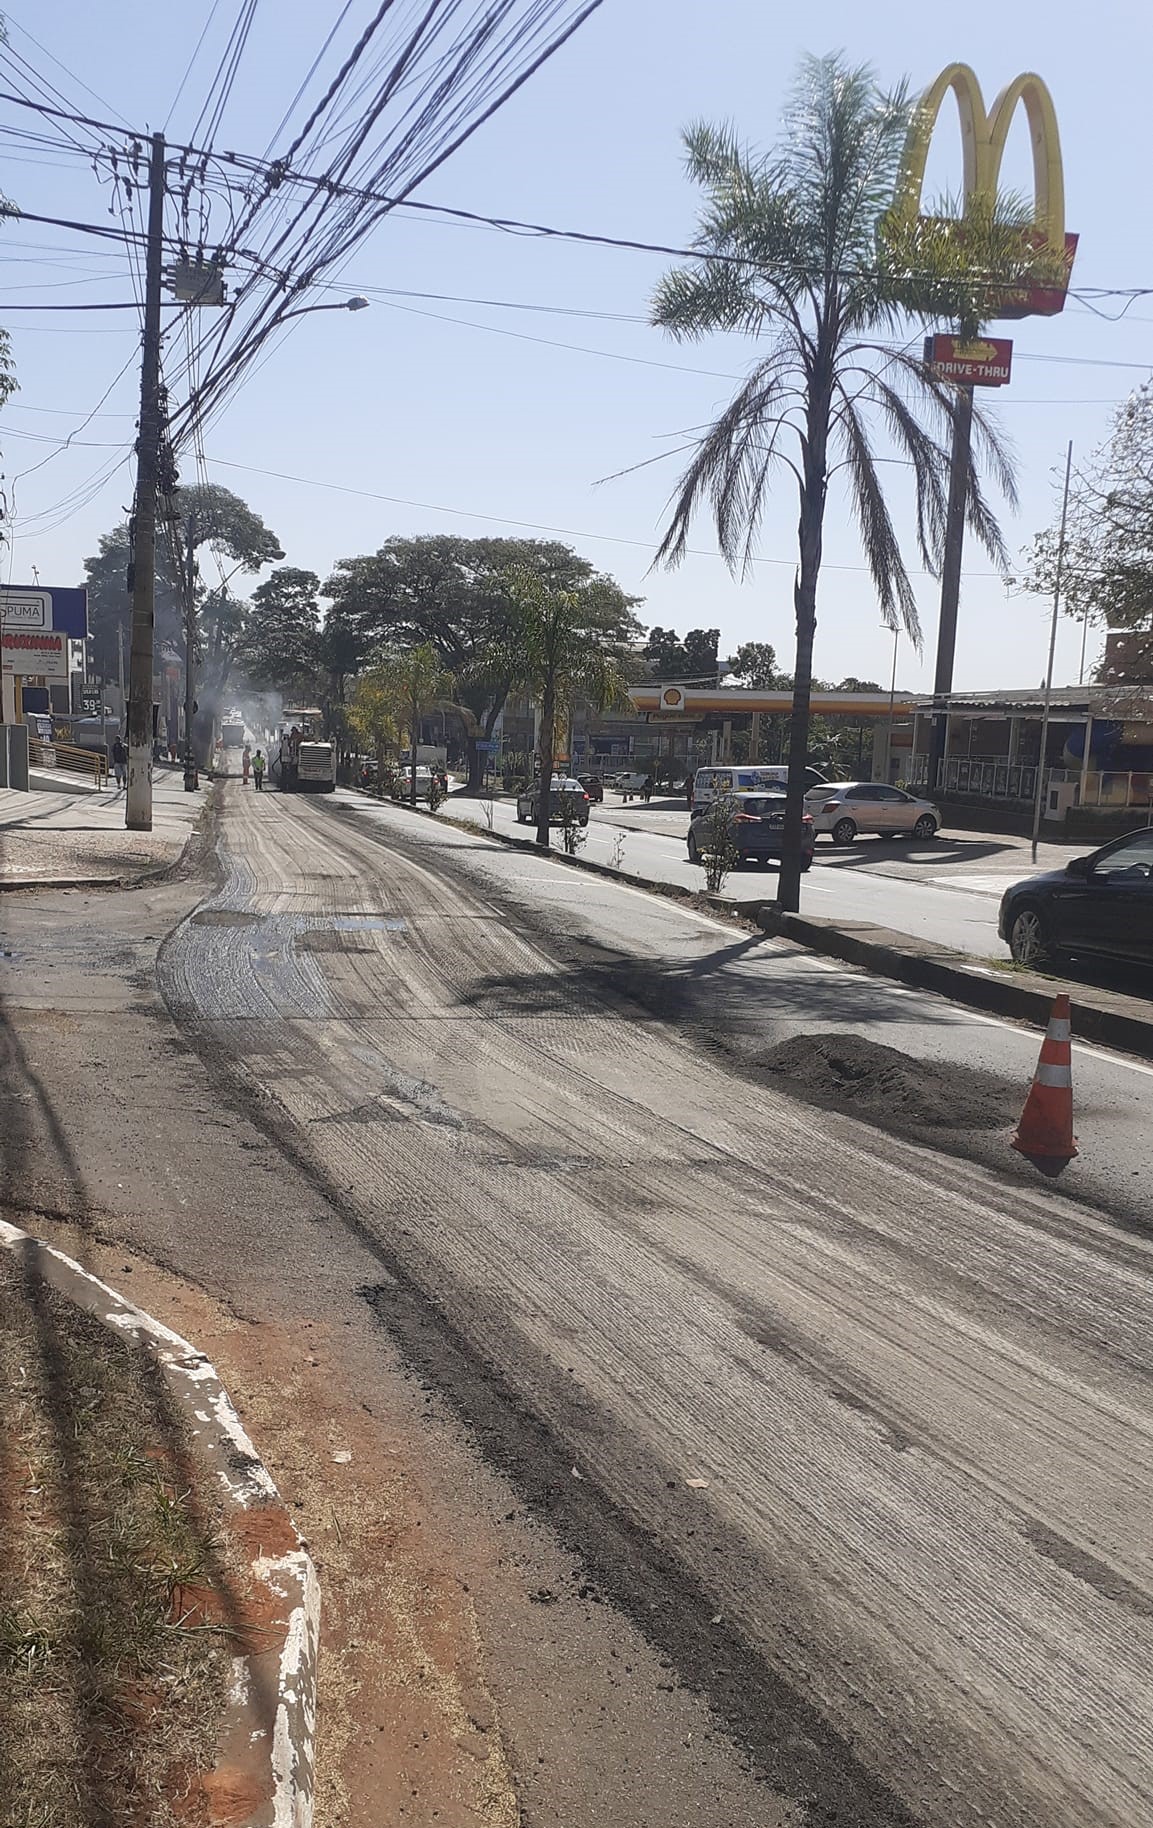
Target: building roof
(1125,701)
(675,699)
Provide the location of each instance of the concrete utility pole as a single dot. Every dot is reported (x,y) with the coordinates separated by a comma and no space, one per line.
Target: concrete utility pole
(950,583)
(138,808)
(1058,580)
(188,582)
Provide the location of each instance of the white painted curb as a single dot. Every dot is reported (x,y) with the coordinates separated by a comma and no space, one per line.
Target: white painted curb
(268,1739)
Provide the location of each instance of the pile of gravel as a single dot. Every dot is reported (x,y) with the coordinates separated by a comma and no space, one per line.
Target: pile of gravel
(867,1079)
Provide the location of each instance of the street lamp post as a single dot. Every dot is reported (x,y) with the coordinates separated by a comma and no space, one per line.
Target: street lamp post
(892,697)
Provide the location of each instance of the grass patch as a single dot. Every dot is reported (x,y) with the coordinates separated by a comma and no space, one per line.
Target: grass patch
(112,1680)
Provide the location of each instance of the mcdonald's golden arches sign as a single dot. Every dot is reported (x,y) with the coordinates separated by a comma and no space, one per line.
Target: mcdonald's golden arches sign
(983,136)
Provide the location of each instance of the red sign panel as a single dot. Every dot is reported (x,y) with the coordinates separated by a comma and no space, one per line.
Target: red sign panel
(978,361)
(35,652)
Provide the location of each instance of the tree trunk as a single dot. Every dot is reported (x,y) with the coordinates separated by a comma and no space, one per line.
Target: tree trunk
(789,879)
(414,732)
(810,532)
(547,741)
(475,763)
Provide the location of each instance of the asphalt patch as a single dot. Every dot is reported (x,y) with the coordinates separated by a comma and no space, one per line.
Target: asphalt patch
(867,1079)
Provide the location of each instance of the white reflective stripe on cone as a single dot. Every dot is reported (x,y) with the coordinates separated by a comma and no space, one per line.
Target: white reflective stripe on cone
(1059,1029)
(1054,1075)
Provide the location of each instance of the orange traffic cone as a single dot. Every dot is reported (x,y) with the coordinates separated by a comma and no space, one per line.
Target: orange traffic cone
(1045,1131)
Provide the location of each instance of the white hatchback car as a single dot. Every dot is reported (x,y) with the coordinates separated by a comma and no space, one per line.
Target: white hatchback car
(847,808)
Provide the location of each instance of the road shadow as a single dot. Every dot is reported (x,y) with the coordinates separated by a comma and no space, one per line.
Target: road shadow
(29,1124)
(711,993)
(117,1536)
(932,856)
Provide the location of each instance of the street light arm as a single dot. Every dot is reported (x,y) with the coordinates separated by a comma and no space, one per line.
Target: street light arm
(345,304)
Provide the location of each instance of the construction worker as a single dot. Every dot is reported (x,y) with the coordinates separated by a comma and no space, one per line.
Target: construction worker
(246,764)
(258,770)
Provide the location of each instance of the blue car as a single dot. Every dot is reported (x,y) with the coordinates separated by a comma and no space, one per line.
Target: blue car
(1100,906)
(752,824)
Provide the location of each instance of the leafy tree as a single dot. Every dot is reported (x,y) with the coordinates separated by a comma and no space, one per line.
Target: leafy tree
(374,714)
(279,646)
(668,657)
(788,246)
(452,593)
(401,687)
(1107,574)
(203,515)
(560,648)
(754,665)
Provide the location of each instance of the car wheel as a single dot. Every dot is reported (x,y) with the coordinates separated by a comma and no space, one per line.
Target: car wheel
(844,831)
(1029,936)
(926,826)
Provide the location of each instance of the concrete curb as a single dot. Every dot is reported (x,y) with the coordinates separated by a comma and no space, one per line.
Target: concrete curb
(1097,1015)
(1116,1021)
(672,891)
(264,1773)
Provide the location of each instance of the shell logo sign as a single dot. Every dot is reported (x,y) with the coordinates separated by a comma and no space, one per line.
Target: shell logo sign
(672,698)
(983,137)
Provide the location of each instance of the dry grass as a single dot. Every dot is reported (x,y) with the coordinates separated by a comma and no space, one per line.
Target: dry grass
(110,1700)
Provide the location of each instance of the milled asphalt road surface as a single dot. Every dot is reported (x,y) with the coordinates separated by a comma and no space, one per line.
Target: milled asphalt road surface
(948,891)
(860,1432)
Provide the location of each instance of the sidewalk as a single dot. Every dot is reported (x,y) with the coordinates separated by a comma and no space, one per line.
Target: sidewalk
(57,839)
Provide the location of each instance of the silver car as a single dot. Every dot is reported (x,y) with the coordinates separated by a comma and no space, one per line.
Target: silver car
(567,801)
(846,808)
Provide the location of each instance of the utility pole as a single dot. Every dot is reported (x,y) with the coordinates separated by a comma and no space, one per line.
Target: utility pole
(138,809)
(191,780)
(1058,580)
(950,583)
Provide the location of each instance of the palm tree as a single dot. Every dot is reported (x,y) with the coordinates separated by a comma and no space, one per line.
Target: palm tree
(397,691)
(562,648)
(788,247)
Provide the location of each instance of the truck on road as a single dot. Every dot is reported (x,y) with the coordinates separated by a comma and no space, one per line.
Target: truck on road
(305,766)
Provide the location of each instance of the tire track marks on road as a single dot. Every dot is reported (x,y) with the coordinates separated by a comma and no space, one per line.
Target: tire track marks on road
(924,1419)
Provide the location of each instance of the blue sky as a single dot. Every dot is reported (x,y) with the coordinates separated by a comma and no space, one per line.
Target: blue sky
(471,418)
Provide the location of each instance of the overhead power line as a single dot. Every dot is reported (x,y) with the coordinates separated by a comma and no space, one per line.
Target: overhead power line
(504,520)
(280,175)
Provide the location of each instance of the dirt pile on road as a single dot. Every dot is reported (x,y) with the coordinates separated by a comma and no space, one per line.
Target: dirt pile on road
(867,1079)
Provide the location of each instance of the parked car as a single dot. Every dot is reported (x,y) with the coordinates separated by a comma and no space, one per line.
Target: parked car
(402,783)
(1100,905)
(762,777)
(565,789)
(847,808)
(757,829)
(593,786)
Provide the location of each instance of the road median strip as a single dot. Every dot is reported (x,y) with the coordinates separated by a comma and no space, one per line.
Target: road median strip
(1104,1016)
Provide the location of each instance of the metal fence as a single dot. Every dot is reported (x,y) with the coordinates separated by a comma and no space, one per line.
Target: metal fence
(993,778)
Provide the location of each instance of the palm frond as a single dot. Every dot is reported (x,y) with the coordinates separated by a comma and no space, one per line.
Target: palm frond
(878,537)
(728,469)
(929,459)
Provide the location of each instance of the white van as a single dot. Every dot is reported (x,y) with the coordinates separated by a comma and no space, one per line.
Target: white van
(761,777)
